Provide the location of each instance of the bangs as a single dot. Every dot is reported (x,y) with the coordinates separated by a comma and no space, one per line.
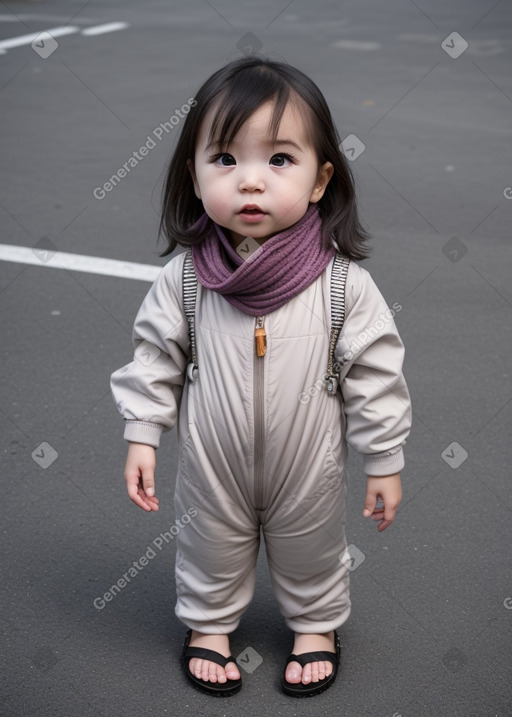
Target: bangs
(228,99)
(247,92)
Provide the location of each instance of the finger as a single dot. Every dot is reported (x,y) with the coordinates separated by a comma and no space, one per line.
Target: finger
(383,525)
(390,512)
(135,492)
(388,517)
(151,501)
(139,500)
(148,480)
(369,504)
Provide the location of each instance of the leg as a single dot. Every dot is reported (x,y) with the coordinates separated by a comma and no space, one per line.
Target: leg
(215,577)
(304,541)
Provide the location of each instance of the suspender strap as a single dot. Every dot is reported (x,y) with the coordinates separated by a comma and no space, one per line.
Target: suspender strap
(338,281)
(189,306)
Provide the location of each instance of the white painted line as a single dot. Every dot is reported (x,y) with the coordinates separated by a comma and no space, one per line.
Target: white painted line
(29,39)
(63,19)
(79,262)
(356,45)
(109,27)
(419,37)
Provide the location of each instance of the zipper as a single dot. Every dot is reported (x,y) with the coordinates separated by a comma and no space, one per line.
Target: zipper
(260,341)
(260,336)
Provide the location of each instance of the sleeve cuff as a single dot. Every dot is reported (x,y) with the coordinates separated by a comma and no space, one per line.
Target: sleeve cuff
(143,432)
(384,464)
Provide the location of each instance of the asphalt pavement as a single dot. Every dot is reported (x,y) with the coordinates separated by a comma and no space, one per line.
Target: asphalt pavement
(422,97)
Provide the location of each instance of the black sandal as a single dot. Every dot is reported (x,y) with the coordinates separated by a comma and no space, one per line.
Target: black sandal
(314,688)
(219,689)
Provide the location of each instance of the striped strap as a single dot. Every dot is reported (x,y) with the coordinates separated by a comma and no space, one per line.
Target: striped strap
(189,305)
(338,281)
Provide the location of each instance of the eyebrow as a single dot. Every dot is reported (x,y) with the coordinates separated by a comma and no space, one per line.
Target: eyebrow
(273,143)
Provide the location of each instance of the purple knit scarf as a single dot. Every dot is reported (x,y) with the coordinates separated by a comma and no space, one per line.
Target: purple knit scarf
(280,269)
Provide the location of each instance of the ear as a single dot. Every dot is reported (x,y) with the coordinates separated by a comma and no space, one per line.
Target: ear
(190,165)
(324,175)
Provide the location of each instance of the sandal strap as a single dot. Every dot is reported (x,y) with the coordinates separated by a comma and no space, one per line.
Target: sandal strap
(318,656)
(205,654)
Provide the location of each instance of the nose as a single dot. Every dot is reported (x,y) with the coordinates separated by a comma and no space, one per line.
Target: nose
(251,180)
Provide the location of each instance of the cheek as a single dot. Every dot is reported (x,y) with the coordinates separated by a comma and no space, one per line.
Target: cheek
(215,201)
(210,184)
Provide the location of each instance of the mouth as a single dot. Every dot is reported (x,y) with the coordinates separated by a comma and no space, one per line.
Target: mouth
(251,210)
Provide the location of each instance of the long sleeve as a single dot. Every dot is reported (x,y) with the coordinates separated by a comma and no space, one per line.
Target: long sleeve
(148,390)
(376,399)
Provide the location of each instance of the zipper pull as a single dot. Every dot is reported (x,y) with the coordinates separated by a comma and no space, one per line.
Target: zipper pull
(260,336)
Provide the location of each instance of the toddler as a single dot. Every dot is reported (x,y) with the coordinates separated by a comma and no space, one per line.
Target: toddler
(262,198)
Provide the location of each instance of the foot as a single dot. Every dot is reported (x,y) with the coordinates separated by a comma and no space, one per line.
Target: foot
(313,671)
(207,670)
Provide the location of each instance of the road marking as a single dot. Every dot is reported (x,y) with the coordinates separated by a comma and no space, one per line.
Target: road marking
(81,262)
(29,39)
(413,37)
(356,45)
(60,32)
(109,27)
(63,19)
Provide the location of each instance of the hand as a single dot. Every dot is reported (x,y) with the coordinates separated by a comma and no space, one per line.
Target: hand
(389,490)
(139,474)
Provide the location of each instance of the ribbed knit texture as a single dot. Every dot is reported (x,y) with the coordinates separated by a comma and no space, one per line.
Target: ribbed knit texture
(281,268)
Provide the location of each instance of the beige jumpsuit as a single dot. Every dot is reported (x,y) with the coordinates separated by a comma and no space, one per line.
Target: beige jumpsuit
(262,445)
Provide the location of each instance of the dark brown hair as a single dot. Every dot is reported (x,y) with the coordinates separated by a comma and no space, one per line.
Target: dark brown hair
(239,89)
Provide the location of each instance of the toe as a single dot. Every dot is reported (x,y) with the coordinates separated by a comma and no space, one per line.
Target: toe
(307,674)
(315,671)
(221,676)
(293,673)
(194,667)
(232,672)
(321,670)
(205,670)
(213,672)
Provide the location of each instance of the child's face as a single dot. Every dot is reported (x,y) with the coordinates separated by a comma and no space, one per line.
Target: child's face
(258,187)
